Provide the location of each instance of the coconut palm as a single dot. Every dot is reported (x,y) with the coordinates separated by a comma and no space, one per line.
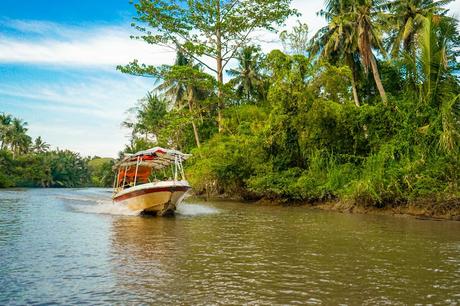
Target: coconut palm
(407,19)
(437,56)
(18,140)
(337,41)
(150,114)
(182,85)
(365,13)
(175,90)
(5,129)
(40,146)
(246,77)
(353,30)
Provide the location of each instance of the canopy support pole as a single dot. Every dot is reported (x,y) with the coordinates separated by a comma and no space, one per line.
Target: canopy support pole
(137,167)
(124,178)
(181,167)
(175,167)
(115,181)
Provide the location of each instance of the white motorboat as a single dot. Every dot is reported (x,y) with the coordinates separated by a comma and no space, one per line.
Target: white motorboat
(151,181)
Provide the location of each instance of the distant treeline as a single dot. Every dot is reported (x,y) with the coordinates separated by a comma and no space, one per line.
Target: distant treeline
(367,111)
(27,163)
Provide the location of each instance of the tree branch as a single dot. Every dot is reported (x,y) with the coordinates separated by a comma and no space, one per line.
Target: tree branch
(227,59)
(230,8)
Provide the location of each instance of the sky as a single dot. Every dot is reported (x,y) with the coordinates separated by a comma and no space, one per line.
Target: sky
(57,68)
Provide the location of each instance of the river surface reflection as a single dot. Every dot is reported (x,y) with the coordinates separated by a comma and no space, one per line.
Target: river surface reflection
(74,246)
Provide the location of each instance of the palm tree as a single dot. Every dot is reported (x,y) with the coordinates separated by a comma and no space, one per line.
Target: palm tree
(150,114)
(406,23)
(5,128)
(175,90)
(18,139)
(365,12)
(40,146)
(181,83)
(352,30)
(407,19)
(337,41)
(437,56)
(246,77)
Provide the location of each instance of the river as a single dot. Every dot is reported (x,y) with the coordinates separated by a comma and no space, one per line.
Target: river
(73,246)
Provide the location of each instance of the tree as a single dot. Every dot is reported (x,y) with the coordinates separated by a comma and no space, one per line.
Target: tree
(369,37)
(18,139)
(213,29)
(407,19)
(437,42)
(179,87)
(296,41)
(68,169)
(247,76)
(40,146)
(5,129)
(173,90)
(149,120)
(353,28)
(338,40)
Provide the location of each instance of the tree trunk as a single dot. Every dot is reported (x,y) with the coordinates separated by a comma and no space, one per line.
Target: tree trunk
(220,94)
(353,88)
(378,81)
(195,129)
(352,66)
(220,75)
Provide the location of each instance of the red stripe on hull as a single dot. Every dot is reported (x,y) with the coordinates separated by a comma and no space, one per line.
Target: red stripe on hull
(150,190)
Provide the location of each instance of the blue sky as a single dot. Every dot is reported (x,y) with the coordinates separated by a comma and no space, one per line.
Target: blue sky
(57,68)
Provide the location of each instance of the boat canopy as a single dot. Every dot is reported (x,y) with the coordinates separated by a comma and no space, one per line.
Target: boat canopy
(136,168)
(156,158)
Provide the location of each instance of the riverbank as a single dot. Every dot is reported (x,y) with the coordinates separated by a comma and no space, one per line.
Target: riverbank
(447,210)
(426,208)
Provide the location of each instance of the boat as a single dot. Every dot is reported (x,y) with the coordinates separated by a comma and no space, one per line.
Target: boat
(151,181)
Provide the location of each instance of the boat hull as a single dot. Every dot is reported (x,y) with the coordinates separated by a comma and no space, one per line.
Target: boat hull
(158,199)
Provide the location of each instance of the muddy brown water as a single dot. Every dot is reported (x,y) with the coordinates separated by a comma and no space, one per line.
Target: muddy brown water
(73,246)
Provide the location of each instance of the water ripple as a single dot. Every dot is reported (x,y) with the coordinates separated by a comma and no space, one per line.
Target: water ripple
(76,247)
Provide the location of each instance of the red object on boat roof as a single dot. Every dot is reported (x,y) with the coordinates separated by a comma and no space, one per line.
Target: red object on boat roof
(139,166)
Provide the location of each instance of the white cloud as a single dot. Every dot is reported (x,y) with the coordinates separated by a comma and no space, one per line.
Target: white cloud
(95,96)
(83,116)
(454,8)
(48,43)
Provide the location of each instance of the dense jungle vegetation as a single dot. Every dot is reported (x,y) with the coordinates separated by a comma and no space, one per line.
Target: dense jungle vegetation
(366,111)
(27,163)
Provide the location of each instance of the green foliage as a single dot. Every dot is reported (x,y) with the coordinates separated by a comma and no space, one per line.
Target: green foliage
(49,169)
(8,171)
(102,173)
(247,78)
(187,26)
(27,164)
(68,169)
(344,119)
(295,42)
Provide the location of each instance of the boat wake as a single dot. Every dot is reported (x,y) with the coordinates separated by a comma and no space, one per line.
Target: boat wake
(185,209)
(105,207)
(100,204)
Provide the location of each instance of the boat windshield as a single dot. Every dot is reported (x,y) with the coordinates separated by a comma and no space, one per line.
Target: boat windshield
(145,166)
